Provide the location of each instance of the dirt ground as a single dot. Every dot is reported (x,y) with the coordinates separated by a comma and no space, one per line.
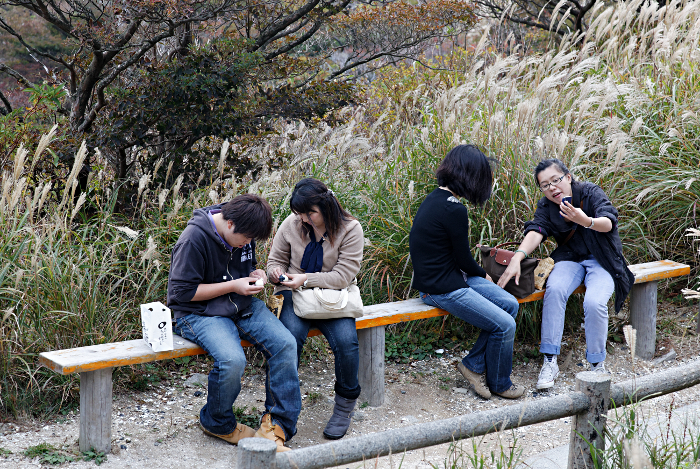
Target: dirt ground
(158,428)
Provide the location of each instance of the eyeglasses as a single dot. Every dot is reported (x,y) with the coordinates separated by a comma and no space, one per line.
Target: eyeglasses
(554,182)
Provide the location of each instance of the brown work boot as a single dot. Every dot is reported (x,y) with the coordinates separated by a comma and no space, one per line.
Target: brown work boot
(272,432)
(241,431)
(476,380)
(513,392)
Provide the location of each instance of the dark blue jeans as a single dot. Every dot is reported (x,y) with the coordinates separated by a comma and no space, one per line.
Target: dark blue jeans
(342,337)
(221,337)
(492,309)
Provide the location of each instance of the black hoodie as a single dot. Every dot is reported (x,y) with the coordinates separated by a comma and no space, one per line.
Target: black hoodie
(200,256)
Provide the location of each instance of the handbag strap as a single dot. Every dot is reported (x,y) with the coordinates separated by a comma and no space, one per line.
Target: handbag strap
(339,304)
(570,235)
(502,245)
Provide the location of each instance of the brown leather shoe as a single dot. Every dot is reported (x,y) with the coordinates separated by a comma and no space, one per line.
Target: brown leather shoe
(241,431)
(476,380)
(513,392)
(272,432)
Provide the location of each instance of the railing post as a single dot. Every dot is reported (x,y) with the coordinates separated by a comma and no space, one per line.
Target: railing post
(643,318)
(371,373)
(256,453)
(588,429)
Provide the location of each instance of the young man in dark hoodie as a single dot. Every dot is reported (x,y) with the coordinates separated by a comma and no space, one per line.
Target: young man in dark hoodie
(210,287)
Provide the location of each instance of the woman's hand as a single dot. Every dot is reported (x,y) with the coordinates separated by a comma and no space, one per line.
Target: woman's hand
(295,280)
(275,275)
(513,270)
(576,215)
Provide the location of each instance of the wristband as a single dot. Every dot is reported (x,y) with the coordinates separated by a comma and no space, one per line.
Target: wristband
(305,282)
(592,223)
(520,250)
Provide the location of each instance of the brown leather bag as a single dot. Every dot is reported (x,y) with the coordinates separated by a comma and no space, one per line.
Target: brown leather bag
(495,260)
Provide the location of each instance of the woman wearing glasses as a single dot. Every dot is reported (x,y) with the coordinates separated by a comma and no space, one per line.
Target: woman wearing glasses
(583,222)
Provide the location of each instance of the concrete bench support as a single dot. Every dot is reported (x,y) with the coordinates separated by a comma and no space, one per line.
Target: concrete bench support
(643,318)
(371,374)
(96,410)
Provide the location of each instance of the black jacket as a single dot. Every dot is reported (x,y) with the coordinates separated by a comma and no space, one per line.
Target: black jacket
(200,256)
(439,245)
(606,248)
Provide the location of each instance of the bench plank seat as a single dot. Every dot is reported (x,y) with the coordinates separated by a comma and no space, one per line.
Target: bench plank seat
(96,362)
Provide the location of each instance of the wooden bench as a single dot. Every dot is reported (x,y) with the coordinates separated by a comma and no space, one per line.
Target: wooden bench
(95,363)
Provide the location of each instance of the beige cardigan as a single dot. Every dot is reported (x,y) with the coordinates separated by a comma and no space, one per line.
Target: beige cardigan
(341,261)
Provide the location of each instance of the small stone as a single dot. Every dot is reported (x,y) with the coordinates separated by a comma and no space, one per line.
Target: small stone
(460,390)
(668,357)
(123,446)
(359,416)
(157,443)
(403,392)
(128,440)
(197,393)
(197,379)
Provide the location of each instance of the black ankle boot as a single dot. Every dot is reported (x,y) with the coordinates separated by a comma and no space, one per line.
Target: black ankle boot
(340,420)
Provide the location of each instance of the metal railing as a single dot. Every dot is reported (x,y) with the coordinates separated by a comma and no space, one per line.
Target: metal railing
(588,405)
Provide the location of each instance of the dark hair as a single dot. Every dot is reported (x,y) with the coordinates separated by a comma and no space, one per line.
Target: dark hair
(309,192)
(467,172)
(544,164)
(251,215)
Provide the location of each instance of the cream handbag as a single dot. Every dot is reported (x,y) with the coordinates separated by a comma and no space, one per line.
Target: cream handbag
(327,303)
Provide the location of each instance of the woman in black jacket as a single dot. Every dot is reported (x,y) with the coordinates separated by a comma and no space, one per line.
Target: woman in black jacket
(447,276)
(589,251)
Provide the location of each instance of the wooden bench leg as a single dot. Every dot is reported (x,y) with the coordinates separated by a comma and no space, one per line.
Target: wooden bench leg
(96,410)
(643,317)
(372,365)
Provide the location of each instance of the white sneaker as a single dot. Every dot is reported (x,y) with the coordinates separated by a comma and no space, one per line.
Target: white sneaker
(599,368)
(548,373)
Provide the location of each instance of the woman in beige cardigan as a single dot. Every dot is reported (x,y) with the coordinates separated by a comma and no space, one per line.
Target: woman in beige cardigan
(320,245)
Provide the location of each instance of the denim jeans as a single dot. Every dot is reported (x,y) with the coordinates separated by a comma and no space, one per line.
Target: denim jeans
(564,279)
(342,337)
(492,309)
(221,338)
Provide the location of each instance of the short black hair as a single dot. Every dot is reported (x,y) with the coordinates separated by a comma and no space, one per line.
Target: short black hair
(310,192)
(251,215)
(544,164)
(466,171)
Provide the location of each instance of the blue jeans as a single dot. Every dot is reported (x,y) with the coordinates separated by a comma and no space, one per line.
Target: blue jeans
(492,309)
(221,338)
(342,337)
(564,279)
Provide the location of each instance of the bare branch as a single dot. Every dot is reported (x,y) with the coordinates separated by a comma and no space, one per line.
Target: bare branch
(275,28)
(16,75)
(10,30)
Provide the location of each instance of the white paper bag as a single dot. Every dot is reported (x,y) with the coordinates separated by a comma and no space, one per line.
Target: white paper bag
(156,323)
